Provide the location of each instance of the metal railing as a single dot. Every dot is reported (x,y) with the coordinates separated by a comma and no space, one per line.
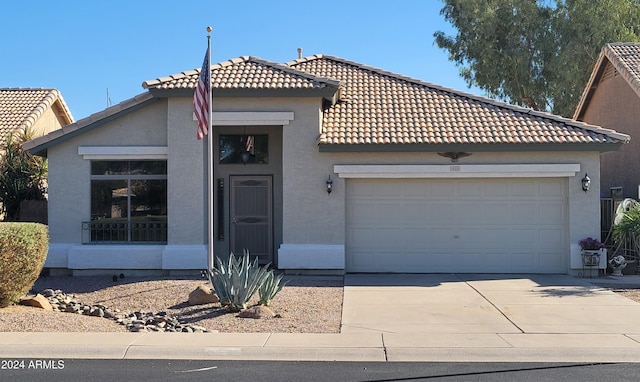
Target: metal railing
(139,231)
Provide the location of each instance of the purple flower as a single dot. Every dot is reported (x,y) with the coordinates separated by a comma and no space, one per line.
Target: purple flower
(591,244)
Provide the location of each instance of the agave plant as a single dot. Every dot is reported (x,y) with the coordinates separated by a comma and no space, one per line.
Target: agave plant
(270,288)
(237,280)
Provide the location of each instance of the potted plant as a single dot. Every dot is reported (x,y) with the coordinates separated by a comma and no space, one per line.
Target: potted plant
(591,251)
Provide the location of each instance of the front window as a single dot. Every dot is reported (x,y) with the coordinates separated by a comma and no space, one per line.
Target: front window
(128,201)
(243,149)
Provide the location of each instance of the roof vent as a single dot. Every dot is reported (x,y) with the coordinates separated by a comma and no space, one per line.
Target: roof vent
(299,53)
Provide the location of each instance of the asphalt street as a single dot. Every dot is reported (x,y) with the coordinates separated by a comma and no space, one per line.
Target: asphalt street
(33,370)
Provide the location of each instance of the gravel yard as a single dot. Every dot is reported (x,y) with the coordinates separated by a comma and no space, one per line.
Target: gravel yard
(306,305)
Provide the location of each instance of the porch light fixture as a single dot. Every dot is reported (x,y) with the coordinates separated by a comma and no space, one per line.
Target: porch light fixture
(586,182)
(329,183)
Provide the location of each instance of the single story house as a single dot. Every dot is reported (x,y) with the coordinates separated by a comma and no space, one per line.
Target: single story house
(422,178)
(612,99)
(37,109)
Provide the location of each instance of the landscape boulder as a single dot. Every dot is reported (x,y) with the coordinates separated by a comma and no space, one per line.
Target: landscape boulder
(37,301)
(256,312)
(203,295)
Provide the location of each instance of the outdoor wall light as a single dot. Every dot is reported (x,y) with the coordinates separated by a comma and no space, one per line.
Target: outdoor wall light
(586,182)
(329,183)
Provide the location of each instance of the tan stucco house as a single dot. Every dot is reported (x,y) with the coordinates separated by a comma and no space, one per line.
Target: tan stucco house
(612,99)
(424,178)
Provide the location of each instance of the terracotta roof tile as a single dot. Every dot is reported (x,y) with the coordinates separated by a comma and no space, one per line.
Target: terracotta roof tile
(244,73)
(379,107)
(21,107)
(625,57)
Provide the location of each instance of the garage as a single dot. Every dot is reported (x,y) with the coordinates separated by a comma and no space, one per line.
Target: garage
(464,225)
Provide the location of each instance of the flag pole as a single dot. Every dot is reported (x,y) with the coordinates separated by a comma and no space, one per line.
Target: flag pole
(210,189)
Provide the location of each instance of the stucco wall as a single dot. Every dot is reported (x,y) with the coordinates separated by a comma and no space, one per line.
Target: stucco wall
(186,169)
(320,218)
(615,106)
(311,219)
(48,121)
(69,188)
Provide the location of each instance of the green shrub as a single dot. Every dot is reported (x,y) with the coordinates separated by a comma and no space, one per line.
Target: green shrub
(23,250)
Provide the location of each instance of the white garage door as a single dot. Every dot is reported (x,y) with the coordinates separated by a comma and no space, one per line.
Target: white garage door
(502,225)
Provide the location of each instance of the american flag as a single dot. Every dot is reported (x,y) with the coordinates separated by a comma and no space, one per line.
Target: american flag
(202,97)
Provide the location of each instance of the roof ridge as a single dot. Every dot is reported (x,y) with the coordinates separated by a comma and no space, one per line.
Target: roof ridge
(296,72)
(479,98)
(238,60)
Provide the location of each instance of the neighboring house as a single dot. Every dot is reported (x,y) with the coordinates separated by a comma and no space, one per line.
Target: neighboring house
(41,110)
(425,179)
(612,99)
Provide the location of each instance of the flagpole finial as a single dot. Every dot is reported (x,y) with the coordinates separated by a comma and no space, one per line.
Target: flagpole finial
(209,29)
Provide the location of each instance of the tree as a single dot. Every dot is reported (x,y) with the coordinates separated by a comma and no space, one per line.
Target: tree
(22,175)
(535,53)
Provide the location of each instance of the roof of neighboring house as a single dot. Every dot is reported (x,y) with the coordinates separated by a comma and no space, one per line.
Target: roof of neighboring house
(370,107)
(624,58)
(379,107)
(22,107)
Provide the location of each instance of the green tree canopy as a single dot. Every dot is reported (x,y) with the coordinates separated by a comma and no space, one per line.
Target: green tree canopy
(535,53)
(22,175)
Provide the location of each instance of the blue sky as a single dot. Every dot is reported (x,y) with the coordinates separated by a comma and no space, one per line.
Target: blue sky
(84,47)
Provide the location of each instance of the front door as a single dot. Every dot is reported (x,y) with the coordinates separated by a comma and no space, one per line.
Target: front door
(251,217)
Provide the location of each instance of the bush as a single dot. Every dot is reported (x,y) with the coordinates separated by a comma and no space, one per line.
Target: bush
(23,250)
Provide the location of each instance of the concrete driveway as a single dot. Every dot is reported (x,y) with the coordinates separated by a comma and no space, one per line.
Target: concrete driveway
(484,304)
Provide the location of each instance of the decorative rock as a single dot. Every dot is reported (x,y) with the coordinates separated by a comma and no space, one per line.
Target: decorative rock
(133,321)
(37,301)
(203,295)
(48,292)
(259,311)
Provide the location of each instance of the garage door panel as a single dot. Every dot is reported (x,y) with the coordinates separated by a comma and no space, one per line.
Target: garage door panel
(441,213)
(550,238)
(471,188)
(523,188)
(362,212)
(551,213)
(550,189)
(414,213)
(524,213)
(495,213)
(456,225)
(445,189)
(497,189)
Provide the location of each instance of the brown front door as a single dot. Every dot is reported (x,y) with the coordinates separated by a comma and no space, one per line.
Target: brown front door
(251,217)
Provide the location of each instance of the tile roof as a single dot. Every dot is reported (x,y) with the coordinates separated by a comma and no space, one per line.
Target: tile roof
(244,73)
(625,58)
(370,106)
(379,107)
(22,107)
